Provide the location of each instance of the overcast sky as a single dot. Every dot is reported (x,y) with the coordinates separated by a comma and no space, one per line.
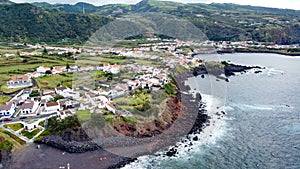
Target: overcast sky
(290,4)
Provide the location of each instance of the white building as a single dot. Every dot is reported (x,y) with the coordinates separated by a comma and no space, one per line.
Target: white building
(111,107)
(28,108)
(52,107)
(43,69)
(47,98)
(119,90)
(59,69)
(115,69)
(133,84)
(65,113)
(66,92)
(8,109)
(19,81)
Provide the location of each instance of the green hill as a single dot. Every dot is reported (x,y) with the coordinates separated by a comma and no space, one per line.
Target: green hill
(65,23)
(28,23)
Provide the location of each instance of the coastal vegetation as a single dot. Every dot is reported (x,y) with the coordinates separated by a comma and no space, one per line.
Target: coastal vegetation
(14,137)
(4,144)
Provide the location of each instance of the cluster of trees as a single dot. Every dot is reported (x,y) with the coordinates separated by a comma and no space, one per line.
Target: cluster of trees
(57,126)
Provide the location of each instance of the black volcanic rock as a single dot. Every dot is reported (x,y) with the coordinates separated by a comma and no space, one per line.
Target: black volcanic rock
(68,146)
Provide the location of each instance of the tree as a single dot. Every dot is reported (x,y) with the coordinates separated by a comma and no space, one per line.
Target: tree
(58,97)
(48,72)
(67,66)
(45,52)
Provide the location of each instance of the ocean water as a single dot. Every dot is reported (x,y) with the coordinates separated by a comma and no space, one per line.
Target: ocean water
(261,127)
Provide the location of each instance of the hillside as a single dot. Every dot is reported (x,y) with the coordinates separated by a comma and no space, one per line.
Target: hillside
(28,23)
(44,22)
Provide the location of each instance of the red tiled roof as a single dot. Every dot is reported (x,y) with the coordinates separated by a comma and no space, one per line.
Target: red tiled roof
(27,105)
(52,104)
(61,88)
(19,78)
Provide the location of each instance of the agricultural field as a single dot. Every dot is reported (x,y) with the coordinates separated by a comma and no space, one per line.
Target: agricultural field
(50,82)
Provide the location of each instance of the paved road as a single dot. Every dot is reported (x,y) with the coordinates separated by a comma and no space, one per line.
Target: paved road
(17,119)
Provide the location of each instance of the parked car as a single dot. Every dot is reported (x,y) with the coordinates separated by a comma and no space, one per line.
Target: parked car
(21,118)
(7,119)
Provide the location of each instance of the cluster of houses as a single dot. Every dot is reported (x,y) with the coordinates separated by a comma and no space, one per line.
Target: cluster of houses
(251,44)
(148,77)
(25,106)
(26,80)
(52,50)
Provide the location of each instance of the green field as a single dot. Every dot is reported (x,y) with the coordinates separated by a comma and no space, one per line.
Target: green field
(83,114)
(50,82)
(15,126)
(135,100)
(5,89)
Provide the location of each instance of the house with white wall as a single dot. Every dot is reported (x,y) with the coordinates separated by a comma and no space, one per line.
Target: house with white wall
(67,92)
(43,69)
(51,107)
(65,113)
(8,109)
(19,81)
(28,108)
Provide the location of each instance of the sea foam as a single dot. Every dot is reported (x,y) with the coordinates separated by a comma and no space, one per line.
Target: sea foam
(209,136)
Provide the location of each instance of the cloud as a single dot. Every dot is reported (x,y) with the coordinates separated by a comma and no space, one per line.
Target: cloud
(289,4)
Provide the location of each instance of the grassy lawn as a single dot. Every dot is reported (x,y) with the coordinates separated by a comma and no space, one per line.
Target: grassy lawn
(30,135)
(135,100)
(42,123)
(4,88)
(43,134)
(15,126)
(3,99)
(50,82)
(83,114)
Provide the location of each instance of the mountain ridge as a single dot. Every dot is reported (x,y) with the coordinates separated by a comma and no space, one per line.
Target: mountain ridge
(219,21)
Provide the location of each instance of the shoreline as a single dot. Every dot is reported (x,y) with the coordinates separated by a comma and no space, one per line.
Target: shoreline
(19,159)
(199,119)
(196,119)
(264,51)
